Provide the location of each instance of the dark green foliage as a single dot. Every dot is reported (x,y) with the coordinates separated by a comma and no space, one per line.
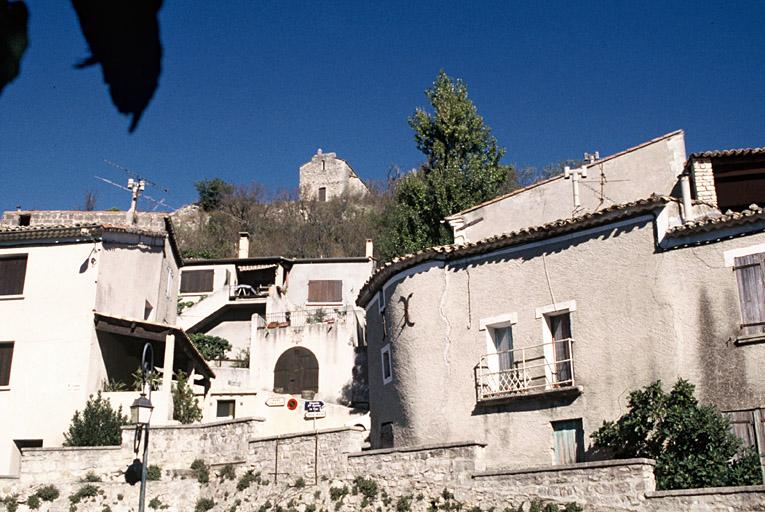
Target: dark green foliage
(155,503)
(265,506)
(227,472)
(91,476)
(11,502)
(691,443)
(153,473)
(201,471)
(33,502)
(153,378)
(48,493)
(366,486)
(211,193)
(462,169)
(211,347)
(204,504)
(404,503)
(299,483)
(338,493)
(247,479)
(185,405)
(86,491)
(97,425)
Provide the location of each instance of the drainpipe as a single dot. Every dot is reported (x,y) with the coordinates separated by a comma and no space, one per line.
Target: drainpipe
(685,187)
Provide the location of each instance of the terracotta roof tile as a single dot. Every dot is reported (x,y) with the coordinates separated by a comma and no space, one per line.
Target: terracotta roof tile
(721,153)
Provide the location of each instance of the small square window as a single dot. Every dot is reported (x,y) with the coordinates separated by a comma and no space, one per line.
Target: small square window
(226,409)
(387,366)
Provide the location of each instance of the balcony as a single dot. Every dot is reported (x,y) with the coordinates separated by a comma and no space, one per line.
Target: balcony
(246,291)
(303,317)
(524,371)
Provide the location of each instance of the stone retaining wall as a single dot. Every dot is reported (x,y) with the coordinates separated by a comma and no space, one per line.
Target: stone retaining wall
(750,497)
(285,458)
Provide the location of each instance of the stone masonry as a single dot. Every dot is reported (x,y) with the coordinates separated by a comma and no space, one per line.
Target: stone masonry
(703,180)
(333,175)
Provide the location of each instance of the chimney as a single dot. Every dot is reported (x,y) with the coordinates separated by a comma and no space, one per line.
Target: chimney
(244,244)
(685,187)
(370,249)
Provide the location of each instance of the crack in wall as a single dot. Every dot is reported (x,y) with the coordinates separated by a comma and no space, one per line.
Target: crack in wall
(445,319)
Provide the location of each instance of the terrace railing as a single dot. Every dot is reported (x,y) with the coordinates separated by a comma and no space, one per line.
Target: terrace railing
(539,367)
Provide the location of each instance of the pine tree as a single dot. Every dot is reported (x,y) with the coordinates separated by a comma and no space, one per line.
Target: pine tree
(185,405)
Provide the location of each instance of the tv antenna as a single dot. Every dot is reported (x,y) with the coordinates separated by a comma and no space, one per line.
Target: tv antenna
(136,185)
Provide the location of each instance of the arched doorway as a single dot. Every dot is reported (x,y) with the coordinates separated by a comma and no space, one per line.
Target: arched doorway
(296,370)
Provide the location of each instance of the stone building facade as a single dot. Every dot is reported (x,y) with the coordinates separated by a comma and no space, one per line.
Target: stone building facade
(326,177)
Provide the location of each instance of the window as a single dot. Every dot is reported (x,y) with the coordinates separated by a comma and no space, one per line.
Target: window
(568,439)
(499,342)
(226,409)
(387,367)
(197,281)
(297,370)
(13,270)
(147,309)
(560,333)
(751,293)
(325,291)
(25,219)
(503,346)
(322,193)
(6,356)
(381,300)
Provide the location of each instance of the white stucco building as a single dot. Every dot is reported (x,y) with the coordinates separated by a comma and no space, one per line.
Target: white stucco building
(78,302)
(295,332)
(527,334)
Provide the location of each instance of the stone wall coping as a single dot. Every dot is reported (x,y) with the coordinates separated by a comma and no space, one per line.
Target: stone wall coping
(305,433)
(9,477)
(70,449)
(567,467)
(202,425)
(419,448)
(705,491)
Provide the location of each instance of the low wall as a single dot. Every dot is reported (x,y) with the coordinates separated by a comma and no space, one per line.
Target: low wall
(323,453)
(722,499)
(605,485)
(171,447)
(449,462)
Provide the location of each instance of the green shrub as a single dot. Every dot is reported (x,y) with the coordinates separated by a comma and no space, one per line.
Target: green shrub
(153,473)
(404,503)
(86,491)
(691,443)
(185,405)
(153,378)
(338,493)
(227,472)
(33,502)
(299,483)
(204,504)
(211,347)
(367,487)
(201,471)
(11,502)
(48,493)
(247,479)
(97,425)
(156,503)
(91,476)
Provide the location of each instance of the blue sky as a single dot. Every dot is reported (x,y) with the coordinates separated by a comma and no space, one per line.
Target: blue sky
(249,90)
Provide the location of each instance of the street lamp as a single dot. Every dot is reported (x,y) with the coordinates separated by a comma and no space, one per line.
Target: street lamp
(140,413)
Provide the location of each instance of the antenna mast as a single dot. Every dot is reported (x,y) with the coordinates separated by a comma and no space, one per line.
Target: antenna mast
(136,187)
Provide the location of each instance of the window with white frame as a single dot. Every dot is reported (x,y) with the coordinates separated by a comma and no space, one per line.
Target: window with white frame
(387,365)
(499,341)
(557,340)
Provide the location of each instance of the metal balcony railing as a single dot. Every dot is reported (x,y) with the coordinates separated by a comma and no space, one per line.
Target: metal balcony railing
(303,317)
(535,368)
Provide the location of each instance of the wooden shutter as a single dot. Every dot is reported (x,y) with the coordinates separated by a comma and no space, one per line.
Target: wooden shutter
(325,291)
(742,425)
(6,356)
(751,293)
(569,441)
(13,270)
(197,281)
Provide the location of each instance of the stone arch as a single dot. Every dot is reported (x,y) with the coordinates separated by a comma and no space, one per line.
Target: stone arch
(296,370)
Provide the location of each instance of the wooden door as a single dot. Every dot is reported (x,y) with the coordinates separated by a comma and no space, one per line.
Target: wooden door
(296,370)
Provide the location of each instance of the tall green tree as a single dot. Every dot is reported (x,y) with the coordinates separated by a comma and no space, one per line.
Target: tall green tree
(212,193)
(692,444)
(462,169)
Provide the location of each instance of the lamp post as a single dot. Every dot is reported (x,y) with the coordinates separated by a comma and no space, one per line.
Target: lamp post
(140,413)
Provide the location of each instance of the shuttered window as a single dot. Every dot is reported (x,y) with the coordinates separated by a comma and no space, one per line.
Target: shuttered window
(569,441)
(13,271)
(751,292)
(6,356)
(197,281)
(325,291)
